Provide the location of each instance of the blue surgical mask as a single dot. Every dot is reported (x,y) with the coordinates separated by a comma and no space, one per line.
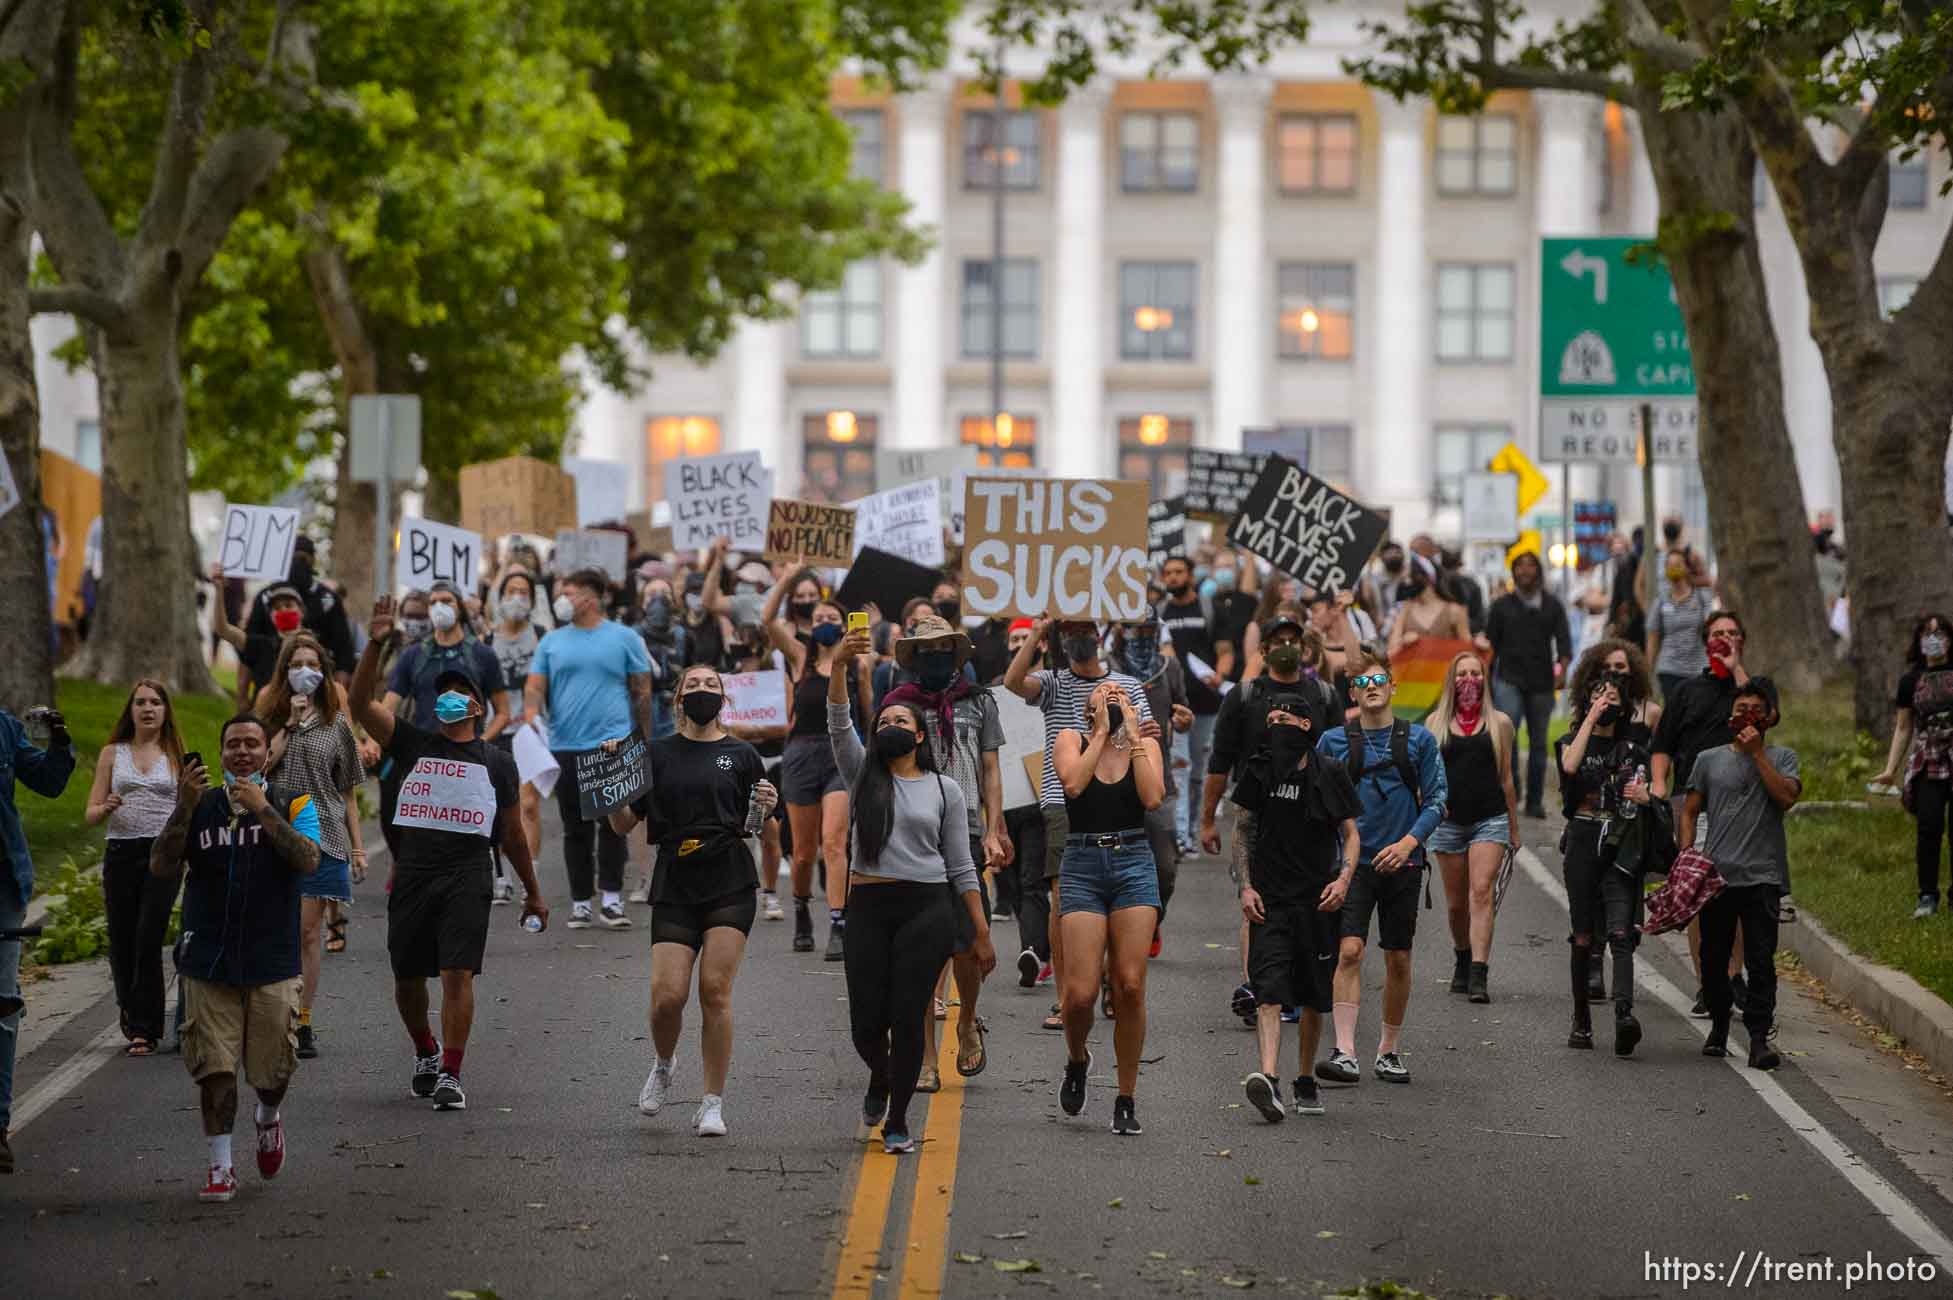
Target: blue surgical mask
(256,778)
(827,633)
(1208,587)
(1224,579)
(452,706)
(1199,572)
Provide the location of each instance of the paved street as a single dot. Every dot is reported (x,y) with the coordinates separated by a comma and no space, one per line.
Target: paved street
(1509,1166)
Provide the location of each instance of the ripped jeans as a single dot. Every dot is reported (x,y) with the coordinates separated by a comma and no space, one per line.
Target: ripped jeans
(1603,901)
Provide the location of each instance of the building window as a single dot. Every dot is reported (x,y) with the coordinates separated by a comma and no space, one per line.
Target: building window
(1010,442)
(1020,299)
(837,456)
(1475,311)
(1478,155)
(1153,448)
(1322,449)
(1156,311)
(1317,310)
(1906,187)
(845,323)
(670,437)
(1159,151)
(1894,292)
(866,123)
(1316,153)
(1017,151)
(1460,449)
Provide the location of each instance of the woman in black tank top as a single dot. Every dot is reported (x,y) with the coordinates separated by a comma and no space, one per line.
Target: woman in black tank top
(1481,815)
(812,789)
(1108,885)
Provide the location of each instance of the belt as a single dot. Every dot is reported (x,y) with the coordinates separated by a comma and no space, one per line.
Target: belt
(1107,839)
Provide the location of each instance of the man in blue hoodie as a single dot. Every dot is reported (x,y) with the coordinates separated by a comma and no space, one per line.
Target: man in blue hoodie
(1402,786)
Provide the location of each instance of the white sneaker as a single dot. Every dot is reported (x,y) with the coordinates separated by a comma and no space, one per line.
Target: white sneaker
(657,1085)
(711,1121)
(580,915)
(504,890)
(773,912)
(642,894)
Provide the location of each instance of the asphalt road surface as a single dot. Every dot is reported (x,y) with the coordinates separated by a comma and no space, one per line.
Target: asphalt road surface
(1509,1165)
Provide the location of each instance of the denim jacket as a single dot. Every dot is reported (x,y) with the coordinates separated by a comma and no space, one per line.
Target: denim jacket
(45,772)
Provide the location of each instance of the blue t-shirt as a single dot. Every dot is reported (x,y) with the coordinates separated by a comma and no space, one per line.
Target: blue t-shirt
(588,698)
(1390,810)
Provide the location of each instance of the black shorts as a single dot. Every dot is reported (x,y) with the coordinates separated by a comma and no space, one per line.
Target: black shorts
(687,923)
(1394,900)
(1292,956)
(437,920)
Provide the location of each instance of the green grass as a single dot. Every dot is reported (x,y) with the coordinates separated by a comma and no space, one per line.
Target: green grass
(55,829)
(1854,870)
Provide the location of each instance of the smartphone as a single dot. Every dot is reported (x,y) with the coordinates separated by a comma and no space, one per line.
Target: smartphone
(858,621)
(192,757)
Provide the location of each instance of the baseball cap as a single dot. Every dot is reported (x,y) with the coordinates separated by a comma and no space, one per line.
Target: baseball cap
(459,678)
(1277,623)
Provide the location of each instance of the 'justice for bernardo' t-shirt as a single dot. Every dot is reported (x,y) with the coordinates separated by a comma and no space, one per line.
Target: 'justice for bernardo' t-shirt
(696,810)
(452,797)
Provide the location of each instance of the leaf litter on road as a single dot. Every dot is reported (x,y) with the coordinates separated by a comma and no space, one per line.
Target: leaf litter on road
(1016,1266)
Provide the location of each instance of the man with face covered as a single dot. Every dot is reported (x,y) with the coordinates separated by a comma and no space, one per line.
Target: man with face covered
(323,614)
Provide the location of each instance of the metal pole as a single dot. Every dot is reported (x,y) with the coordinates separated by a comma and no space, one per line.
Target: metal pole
(1650,571)
(997,193)
(383,505)
(1570,557)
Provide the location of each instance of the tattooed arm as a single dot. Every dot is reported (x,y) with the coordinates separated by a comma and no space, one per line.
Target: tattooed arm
(166,856)
(300,851)
(640,684)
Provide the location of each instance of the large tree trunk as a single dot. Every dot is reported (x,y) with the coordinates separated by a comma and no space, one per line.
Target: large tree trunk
(354,503)
(1703,167)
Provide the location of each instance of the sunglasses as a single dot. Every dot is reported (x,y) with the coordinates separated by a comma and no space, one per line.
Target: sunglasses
(1370,679)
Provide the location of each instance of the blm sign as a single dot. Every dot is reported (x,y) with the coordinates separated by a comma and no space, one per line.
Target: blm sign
(1305,528)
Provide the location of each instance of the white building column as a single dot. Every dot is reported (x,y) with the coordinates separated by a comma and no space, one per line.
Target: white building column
(1243,307)
(759,414)
(1396,461)
(1079,443)
(1566,198)
(919,396)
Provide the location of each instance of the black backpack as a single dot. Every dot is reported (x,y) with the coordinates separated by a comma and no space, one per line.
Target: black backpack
(1356,761)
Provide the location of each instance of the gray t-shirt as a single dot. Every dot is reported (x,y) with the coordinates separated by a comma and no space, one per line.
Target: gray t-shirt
(926,844)
(1745,838)
(1682,653)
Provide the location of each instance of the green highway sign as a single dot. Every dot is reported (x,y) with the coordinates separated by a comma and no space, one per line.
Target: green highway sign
(1610,339)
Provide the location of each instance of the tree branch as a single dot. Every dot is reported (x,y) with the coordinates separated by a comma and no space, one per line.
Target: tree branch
(161,222)
(1513,77)
(75,300)
(1646,35)
(68,215)
(239,163)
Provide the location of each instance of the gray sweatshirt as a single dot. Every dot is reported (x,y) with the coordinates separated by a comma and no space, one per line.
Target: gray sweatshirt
(930,840)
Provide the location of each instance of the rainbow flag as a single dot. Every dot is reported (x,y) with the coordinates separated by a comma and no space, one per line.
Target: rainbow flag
(1419,672)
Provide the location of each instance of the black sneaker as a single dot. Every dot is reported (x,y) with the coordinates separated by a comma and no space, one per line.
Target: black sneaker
(1308,1097)
(836,941)
(1700,1011)
(613,917)
(1627,1033)
(874,1105)
(803,928)
(427,1072)
(1071,1092)
(1265,1095)
(1242,1002)
(1717,1044)
(1391,1068)
(1762,1055)
(1477,983)
(1339,1067)
(1928,904)
(308,1045)
(1028,967)
(448,1094)
(1125,1121)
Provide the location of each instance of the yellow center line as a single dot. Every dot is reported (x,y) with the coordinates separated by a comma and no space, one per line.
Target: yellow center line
(861,1248)
(935,1181)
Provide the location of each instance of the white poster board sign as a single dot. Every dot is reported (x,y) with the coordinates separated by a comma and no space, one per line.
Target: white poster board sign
(444,794)
(895,467)
(593,548)
(602,490)
(905,521)
(535,763)
(258,542)
(1491,506)
(9,490)
(1023,735)
(755,699)
(431,553)
(719,496)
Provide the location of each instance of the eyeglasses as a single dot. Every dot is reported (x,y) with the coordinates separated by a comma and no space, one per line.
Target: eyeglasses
(1370,679)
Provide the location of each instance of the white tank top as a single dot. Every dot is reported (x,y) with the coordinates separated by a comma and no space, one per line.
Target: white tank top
(148,798)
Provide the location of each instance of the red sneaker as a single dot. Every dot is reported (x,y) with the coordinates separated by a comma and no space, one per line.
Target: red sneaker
(1154,951)
(1044,975)
(222,1185)
(271,1148)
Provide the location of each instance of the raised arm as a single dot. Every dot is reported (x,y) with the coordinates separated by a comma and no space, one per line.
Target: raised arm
(848,752)
(220,618)
(373,715)
(1019,680)
(712,594)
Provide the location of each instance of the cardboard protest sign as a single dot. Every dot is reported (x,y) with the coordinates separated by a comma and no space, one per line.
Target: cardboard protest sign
(431,553)
(1070,548)
(824,534)
(446,794)
(1166,530)
(905,521)
(606,782)
(517,494)
(719,496)
(886,581)
(754,699)
(1218,481)
(603,490)
(652,538)
(258,542)
(594,548)
(1305,528)
(1023,740)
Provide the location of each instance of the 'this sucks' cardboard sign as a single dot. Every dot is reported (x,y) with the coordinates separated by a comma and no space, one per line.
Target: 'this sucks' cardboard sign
(1070,548)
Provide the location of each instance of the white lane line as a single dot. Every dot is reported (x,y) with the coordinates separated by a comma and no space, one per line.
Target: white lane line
(1885,1198)
(67,1076)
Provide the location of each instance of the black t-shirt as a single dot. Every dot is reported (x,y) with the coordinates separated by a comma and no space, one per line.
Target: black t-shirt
(1192,635)
(1606,756)
(1299,841)
(695,812)
(1928,692)
(452,797)
(1233,611)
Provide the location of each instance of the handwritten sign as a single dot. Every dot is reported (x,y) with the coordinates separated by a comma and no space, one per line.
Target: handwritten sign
(258,542)
(602,490)
(1305,528)
(1070,548)
(1166,530)
(719,496)
(442,794)
(947,465)
(905,521)
(1022,757)
(606,782)
(824,534)
(517,494)
(754,699)
(1218,481)
(603,549)
(431,553)
(9,490)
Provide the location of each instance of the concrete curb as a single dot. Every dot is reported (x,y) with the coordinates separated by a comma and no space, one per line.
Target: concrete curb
(1893,998)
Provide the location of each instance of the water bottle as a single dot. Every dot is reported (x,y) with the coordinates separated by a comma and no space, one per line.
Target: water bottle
(754,817)
(1629,808)
(533,924)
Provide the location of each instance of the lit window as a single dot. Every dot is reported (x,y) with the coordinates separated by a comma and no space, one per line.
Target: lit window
(866,123)
(845,323)
(1316,153)
(1459,449)
(1317,306)
(1017,151)
(1478,155)
(1156,311)
(672,437)
(1010,442)
(1906,187)
(1153,448)
(1474,316)
(837,456)
(1020,318)
(1159,151)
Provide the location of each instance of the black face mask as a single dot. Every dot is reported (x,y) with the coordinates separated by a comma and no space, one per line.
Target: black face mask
(1286,743)
(1115,717)
(1608,716)
(702,706)
(951,610)
(892,743)
(1393,564)
(657,614)
(802,609)
(301,571)
(935,669)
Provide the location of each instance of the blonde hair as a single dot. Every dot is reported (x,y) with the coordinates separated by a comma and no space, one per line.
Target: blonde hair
(1439,723)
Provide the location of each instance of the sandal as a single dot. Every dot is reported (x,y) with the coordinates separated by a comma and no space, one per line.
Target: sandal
(1105,1001)
(942,1010)
(930,1080)
(139,1047)
(971,1066)
(336,935)
(1056,1020)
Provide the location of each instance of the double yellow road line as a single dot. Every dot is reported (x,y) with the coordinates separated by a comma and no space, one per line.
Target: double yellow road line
(918,1256)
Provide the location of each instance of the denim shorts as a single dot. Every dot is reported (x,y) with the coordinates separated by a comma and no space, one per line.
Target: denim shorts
(333,879)
(1451,837)
(1092,878)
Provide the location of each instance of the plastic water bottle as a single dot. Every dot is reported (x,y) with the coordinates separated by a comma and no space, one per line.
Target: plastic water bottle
(754,817)
(533,924)
(1629,808)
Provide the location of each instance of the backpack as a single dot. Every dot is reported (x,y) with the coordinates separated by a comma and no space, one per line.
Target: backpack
(1324,692)
(461,656)
(1355,762)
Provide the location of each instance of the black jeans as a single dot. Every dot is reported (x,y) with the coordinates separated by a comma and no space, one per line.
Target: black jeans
(1535,710)
(1603,902)
(138,906)
(1930,799)
(899,936)
(1755,907)
(593,854)
(1026,829)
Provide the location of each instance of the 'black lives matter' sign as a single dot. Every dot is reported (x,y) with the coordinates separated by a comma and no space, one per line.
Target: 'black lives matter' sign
(1218,482)
(1305,528)
(1166,530)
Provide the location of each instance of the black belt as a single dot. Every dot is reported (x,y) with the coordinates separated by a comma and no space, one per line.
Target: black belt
(1107,839)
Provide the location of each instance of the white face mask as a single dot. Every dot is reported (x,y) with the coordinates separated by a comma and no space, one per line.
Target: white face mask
(304,680)
(1932,645)
(442,615)
(565,609)
(516,609)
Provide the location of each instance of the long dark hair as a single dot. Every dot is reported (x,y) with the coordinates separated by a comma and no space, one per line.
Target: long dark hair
(872,801)
(1914,655)
(166,738)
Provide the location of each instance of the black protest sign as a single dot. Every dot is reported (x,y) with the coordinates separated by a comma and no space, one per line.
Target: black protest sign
(606,782)
(1166,530)
(885,580)
(1305,528)
(1218,482)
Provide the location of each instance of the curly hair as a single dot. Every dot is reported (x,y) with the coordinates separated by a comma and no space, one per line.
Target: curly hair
(1586,676)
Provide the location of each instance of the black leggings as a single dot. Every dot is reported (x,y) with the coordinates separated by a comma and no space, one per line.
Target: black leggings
(593,854)
(899,936)
(1599,891)
(1929,805)
(138,906)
